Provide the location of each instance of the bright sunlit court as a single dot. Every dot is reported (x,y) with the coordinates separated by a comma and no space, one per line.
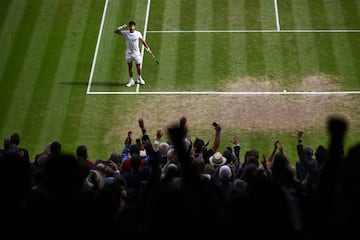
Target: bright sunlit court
(261,68)
(233,47)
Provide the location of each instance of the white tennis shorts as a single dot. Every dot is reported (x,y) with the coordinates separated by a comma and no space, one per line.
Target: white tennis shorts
(136,57)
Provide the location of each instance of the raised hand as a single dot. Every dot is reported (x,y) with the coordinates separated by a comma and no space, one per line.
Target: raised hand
(128,139)
(141,123)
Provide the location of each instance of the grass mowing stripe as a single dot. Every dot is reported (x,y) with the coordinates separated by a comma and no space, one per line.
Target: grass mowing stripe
(205,17)
(151,71)
(169,50)
(307,55)
(304,41)
(45,79)
(259,14)
(273,61)
(128,12)
(254,42)
(185,58)
(30,68)
(318,15)
(300,14)
(77,97)
(157,14)
(323,41)
(351,13)
(11,16)
(238,55)
(139,12)
(345,71)
(333,16)
(325,53)
(354,40)
(171,16)
(17,53)
(237,59)
(273,72)
(4,10)
(202,47)
(289,51)
(343,15)
(110,66)
(59,94)
(220,51)
(95,123)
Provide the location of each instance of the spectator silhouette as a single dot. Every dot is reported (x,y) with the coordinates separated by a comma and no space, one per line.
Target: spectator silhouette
(14,184)
(187,207)
(82,154)
(55,149)
(23,152)
(60,201)
(272,203)
(321,154)
(307,167)
(331,216)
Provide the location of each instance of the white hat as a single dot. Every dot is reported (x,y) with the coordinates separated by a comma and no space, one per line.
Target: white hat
(217,159)
(142,153)
(164,148)
(225,172)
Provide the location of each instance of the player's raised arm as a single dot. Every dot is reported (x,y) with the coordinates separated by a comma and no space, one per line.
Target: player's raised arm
(120,29)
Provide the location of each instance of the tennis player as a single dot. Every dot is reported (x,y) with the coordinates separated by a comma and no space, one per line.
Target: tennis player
(132,37)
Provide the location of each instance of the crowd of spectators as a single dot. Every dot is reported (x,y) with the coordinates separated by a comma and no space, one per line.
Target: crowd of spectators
(181,186)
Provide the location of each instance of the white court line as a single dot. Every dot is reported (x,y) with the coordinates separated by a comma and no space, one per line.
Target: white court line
(97,47)
(211,31)
(323,31)
(260,31)
(227,93)
(277,16)
(144,36)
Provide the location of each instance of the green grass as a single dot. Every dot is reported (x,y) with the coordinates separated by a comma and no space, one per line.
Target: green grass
(47,49)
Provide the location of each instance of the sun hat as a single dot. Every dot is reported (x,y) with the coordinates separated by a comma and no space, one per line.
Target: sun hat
(217,159)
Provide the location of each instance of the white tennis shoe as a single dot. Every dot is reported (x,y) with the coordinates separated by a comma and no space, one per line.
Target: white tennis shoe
(130,83)
(141,81)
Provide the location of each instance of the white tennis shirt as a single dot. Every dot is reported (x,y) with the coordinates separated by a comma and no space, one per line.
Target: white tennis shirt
(132,41)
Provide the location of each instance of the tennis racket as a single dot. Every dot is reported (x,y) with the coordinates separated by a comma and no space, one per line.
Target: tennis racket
(155,59)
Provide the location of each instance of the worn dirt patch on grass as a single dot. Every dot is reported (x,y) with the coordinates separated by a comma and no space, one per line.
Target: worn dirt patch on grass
(251,112)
